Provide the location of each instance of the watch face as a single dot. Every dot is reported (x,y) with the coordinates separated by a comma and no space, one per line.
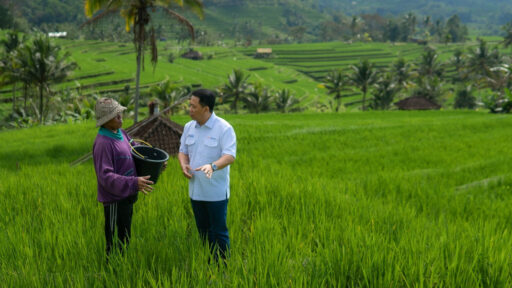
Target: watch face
(214,167)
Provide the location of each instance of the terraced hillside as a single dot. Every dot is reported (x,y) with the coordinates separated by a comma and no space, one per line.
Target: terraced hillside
(107,67)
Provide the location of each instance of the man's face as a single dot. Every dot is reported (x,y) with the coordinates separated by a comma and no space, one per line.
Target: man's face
(115,123)
(196,111)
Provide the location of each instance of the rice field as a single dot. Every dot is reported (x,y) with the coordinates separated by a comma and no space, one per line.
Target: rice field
(375,199)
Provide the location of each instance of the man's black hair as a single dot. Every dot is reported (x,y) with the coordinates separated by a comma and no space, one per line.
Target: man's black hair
(206,98)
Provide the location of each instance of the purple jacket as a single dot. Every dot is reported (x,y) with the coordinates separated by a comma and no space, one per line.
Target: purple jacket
(115,169)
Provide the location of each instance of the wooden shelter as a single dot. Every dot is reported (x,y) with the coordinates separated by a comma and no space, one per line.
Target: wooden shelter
(263,53)
(417,103)
(193,55)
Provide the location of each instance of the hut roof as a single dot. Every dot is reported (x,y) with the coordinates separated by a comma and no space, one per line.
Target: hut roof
(160,132)
(417,103)
(192,54)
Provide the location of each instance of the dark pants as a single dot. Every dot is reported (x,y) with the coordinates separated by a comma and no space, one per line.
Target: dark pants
(118,216)
(211,223)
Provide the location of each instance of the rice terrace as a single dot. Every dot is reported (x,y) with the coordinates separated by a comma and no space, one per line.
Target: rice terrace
(373,142)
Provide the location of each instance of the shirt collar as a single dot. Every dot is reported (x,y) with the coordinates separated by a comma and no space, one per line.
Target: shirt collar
(210,122)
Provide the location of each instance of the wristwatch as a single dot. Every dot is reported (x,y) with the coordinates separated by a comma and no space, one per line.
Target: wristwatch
(214,167)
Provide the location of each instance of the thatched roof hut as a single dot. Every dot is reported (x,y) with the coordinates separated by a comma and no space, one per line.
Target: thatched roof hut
(417,103)
(160,132)
(193,55)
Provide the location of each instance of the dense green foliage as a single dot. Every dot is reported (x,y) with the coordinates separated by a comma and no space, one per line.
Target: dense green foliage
(377,199)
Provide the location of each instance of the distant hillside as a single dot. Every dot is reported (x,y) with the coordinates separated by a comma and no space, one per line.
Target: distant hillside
(270,17)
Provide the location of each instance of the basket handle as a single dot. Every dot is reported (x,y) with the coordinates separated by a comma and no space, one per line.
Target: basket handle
(138,140)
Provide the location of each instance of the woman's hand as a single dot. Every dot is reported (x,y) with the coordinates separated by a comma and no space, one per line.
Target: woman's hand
(144,184)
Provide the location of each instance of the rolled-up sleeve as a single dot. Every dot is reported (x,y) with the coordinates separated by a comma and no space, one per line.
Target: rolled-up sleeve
(228,142)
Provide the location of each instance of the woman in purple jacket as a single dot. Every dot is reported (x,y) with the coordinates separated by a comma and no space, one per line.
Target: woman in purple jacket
(118,184)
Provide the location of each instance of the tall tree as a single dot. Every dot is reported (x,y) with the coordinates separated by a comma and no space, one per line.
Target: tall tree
(43,64)
(8,69)
(335,82)
(258,98)
(385,91)
(507,39)
(482,59)
(136,14)
(363,76)
(429,64)
(235,89)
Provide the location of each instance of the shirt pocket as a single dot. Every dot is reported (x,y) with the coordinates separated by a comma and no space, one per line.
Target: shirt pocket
(211,142)
(190,140)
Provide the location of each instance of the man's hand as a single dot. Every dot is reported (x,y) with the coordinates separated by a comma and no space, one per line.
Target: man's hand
(207,169)
(186,170)
(144,184)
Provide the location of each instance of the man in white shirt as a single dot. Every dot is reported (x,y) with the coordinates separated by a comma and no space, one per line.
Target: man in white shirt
(208,147)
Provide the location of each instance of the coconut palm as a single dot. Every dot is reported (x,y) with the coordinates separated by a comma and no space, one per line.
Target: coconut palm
(335,83)
(482,59)
(507,39)
(385,91)
(429,65)
(235,89)
(402,72)
(258,98)
(8,69)
(286,102)
(171,95)
(43,64)
(363,76)
(136,14)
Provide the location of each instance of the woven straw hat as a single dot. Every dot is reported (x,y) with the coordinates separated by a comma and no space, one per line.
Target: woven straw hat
(106,109)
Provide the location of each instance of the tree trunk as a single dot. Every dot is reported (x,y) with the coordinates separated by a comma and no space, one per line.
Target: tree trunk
(14,97)
(364,100)
(137,83)
(41,104)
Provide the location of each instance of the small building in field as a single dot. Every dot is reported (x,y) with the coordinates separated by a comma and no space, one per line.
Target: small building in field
(417,103)
(192,55)
(160,132)
(263,53)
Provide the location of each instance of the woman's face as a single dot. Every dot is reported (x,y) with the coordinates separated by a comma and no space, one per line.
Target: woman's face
(115,123)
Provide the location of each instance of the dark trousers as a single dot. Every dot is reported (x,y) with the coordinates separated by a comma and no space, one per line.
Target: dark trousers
(118,217)
(211,223)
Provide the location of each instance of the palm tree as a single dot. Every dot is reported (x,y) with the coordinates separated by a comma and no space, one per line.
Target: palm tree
(235,89)
(429,64)
(363,76)
(43,64)
(171,95)
(136,14)
(385,91)
(458,60)
(335,82)
(258,98)
(482,59)
(401,71)
(286,102)
(8,69)
(507,40)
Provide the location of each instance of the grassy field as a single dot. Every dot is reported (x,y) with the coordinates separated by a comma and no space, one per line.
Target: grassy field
(376,199)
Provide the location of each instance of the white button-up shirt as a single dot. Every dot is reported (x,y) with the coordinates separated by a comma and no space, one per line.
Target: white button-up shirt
(204,145)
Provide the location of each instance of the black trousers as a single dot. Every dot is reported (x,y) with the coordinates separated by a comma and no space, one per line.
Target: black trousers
(118,217)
